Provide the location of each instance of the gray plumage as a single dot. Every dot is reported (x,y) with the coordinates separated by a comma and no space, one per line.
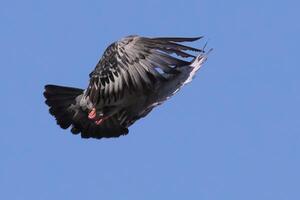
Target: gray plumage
(133,76)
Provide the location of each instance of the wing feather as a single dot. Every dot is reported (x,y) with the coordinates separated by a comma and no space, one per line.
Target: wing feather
(132,64)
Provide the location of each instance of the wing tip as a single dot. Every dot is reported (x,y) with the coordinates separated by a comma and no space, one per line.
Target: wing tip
(179,39)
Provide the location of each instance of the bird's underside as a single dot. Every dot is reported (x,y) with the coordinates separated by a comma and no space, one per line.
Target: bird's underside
(133,76)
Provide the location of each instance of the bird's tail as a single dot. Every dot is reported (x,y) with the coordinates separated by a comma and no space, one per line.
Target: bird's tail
(60,99)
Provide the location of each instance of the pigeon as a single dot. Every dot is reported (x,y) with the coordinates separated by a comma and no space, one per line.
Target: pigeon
(134,75)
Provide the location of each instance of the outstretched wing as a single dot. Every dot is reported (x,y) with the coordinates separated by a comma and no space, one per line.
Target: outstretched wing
(136,63)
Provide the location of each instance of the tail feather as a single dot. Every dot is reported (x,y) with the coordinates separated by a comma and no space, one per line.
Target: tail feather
(59,99)
(67,112)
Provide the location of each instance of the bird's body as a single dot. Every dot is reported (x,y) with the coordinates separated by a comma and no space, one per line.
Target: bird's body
(133,76)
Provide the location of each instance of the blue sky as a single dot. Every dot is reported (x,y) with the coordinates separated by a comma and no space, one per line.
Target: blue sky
(232,134)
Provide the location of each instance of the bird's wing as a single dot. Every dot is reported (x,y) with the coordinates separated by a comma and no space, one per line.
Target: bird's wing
(136,63)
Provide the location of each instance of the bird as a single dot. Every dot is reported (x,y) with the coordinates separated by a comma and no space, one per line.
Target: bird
(134,75)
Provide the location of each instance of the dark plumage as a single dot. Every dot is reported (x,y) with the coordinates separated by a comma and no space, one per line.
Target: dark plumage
(133,76)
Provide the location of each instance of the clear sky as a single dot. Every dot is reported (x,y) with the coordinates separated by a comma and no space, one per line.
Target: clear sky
(232,134)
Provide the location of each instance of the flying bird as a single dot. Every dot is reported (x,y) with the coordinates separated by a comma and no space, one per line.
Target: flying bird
(134,75)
